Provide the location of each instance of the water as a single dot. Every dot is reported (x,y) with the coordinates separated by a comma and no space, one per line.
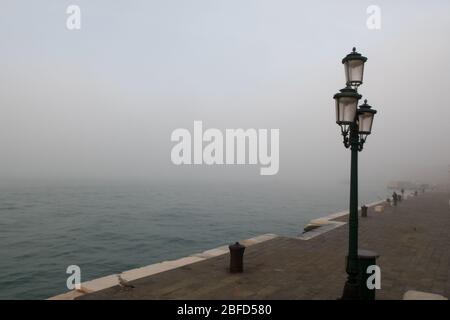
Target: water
(109,228)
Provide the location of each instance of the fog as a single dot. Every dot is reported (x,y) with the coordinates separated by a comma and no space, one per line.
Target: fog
(101,102)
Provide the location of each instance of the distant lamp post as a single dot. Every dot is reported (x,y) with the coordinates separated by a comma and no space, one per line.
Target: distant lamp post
(356,124)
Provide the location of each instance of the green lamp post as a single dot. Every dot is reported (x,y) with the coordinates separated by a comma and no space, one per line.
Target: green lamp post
(356,125)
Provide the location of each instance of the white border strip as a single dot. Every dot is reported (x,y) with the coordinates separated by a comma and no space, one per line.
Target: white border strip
(326,224)
(138,273)
(323,225)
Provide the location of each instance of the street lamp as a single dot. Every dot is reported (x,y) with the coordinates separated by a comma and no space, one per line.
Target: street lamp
(356,124)
(346,107)
(354,68)
(365,121)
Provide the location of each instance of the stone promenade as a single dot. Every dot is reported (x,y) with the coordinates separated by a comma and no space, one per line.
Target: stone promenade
(413,240)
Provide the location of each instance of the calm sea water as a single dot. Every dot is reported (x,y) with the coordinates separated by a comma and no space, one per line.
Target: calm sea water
(109,228)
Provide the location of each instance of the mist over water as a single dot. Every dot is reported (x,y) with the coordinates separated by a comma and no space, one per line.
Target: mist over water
(107,228)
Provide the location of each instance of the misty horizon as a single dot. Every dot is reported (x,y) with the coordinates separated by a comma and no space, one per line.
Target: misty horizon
(102,102)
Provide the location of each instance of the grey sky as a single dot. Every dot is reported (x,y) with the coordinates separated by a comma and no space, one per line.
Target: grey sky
(102,102)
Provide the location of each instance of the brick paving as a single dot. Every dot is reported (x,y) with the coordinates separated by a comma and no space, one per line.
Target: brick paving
(413,240)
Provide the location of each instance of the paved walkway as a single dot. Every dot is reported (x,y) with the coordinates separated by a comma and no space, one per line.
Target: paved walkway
(413,240)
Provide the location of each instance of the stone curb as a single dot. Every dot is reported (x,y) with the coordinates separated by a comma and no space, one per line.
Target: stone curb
(318,226)
(142,272)
(325,224)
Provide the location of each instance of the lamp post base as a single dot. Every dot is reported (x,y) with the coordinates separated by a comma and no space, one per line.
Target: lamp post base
(351,291)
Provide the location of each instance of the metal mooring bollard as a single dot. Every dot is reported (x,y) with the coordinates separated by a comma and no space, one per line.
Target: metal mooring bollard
(366,258)
(364,211)
(236,257)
